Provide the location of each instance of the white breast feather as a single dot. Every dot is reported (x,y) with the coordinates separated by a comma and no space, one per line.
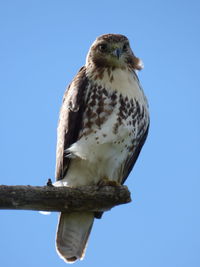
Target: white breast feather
(93,160)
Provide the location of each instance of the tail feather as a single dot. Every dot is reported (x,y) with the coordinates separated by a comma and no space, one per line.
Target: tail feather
(72,234)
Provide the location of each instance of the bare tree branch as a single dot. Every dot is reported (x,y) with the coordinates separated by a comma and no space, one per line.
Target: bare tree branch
(49,198)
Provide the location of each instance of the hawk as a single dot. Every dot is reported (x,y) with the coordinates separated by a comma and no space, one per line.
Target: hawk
(103,125)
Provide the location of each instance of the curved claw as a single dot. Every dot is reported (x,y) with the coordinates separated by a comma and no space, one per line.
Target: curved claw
(105,181)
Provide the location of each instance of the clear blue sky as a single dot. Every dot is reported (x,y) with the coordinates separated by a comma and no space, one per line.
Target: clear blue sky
(43,44)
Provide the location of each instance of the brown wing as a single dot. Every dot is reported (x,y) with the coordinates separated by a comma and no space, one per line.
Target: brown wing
(130,162)
(70,120)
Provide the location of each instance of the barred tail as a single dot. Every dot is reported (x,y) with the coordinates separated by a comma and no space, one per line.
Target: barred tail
(72,235)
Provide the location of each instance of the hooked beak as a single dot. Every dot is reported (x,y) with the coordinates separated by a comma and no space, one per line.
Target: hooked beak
(117,52)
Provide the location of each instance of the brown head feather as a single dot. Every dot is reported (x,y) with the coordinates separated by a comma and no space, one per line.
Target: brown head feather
(101,53)
(111,38)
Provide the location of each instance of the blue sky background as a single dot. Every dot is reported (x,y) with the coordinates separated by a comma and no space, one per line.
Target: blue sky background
(43,44)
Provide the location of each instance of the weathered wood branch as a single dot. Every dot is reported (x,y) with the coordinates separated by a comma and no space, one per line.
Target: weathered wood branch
(49,198)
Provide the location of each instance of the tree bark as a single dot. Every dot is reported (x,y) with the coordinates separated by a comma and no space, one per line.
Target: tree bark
(66,199)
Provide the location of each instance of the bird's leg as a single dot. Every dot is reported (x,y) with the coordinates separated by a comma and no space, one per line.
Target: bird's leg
(105,181)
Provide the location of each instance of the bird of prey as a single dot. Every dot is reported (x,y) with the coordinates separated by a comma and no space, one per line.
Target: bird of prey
(103,125)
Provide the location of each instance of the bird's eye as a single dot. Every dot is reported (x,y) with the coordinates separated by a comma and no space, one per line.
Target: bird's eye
(125,47)
(102,47)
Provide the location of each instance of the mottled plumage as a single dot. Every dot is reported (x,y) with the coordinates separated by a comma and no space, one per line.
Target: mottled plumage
(103,125)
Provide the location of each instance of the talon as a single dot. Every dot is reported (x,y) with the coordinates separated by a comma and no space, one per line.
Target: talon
(105,181)
(113,183)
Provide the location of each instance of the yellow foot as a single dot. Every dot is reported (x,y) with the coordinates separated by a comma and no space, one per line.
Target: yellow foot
(105,181)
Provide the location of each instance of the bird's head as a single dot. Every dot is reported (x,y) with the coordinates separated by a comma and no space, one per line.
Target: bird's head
(113,50)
